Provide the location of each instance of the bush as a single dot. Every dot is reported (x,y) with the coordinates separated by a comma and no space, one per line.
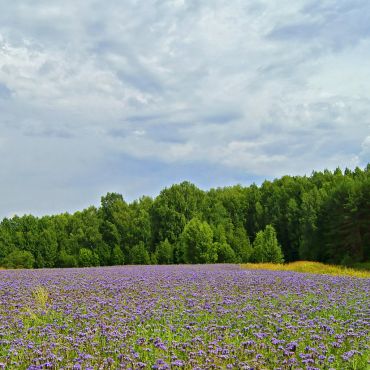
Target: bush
(346,260)
(139,255)
(18,260)
(66,260)
(225,253)
(87,258)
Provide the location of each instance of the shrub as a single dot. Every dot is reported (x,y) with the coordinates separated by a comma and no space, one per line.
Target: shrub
(87,258)
(225,253)
(19,259)
(66,260)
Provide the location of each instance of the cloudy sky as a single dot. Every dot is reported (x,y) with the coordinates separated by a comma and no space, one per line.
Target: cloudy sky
(132,96)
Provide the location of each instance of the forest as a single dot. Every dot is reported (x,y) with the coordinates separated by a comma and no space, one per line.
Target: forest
(322,217)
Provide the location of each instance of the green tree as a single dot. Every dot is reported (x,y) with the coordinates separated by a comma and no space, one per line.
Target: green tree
(118,213)
(153,259)
(118,257)
(87,258)
(240,243)
(164,252)
(66,260)
(139,255)
(235,200)
(225,253)
(324,217)
(140,226)
(19,259)
(345,220)
(258,254)
(7,244)
(197,242)
(48,248)
(309,241)
(266,247)
(112,204)
(172,209)
(110,234)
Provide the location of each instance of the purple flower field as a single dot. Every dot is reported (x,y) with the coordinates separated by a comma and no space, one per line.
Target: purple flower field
(182,317)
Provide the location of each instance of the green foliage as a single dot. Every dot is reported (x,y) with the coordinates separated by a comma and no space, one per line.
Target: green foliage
(365,266)
(48,246)
(258,254)
(173,208)
(240,243)
(266,247)
(41,297)
(18,260)
(197,242)
(87,258)
(139,255)
(347,261)
(324,217)
(153,259)
(118,258)
(164,253)
(225,253)
(66,260)
(310,207)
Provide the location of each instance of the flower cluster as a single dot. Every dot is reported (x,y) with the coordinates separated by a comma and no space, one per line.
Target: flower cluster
(182,317)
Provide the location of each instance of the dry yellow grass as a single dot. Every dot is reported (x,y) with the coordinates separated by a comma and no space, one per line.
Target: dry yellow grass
(310,267)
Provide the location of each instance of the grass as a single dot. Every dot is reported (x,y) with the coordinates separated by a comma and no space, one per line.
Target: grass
(362,266)
(310,267)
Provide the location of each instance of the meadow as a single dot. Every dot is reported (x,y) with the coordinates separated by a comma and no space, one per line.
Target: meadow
(361,270)
(182,317)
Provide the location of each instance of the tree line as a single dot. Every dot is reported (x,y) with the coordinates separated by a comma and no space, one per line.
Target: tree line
(323,217)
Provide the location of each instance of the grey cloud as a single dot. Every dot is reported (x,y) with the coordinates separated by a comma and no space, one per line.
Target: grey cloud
(333,24)
(146,118)
(296,31)
(141,80)
(169,133)
(48,132)
(224,117)
(132,95)
(118,132)
(5,92)
(332,8)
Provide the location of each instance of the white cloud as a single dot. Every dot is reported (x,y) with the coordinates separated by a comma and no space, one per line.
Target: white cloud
(258,88)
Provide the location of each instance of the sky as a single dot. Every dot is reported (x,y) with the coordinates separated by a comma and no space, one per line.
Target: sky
(132,96)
